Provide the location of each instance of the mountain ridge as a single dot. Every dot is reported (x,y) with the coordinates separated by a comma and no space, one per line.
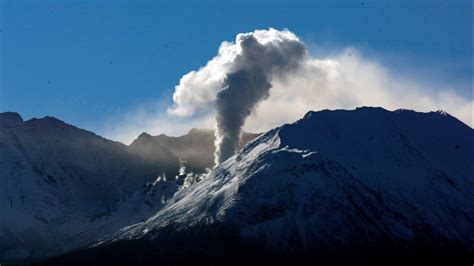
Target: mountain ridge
(63,187)
(333,180)
(326,183)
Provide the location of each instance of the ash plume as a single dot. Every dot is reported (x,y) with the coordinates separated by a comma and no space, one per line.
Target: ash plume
(249,83)
(240,77)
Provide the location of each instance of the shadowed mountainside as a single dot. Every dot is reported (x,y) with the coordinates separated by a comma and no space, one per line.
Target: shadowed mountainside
(196,148)
(63,187)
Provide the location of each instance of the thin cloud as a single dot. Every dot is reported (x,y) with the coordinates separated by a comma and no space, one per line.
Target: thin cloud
(348,80)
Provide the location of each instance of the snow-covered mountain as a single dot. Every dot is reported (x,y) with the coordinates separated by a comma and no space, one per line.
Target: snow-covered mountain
(361,180)
(63,187)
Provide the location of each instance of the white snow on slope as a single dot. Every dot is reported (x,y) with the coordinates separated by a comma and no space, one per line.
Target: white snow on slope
(338,178)
(63,187)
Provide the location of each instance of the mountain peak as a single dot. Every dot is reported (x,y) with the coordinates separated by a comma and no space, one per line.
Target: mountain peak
(199,131)
(372,109)
(379,112)
(442,112)
(10,119)
(144,135)
(48,122)
(47,119)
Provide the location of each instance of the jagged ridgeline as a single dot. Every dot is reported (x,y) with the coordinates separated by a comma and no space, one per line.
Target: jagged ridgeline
(63,187)
(334,182)
(362,182)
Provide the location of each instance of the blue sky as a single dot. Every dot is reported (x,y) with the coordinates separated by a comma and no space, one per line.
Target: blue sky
(86,61)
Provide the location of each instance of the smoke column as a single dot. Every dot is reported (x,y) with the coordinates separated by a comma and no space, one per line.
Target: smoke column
(238,78)
(248,84)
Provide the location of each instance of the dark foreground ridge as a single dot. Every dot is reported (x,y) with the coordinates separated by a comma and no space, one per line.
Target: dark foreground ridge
(222,246)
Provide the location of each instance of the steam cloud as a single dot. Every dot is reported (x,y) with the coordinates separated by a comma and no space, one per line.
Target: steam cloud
(249,83)
(243,72)
(342,78)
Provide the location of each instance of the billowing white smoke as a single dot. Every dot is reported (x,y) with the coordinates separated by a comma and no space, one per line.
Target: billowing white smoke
(236,80)
(344,78)
(299,83)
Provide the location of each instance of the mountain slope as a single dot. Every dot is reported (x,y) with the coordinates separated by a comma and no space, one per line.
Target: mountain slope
(196,148)
(332,181)
(64,187)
